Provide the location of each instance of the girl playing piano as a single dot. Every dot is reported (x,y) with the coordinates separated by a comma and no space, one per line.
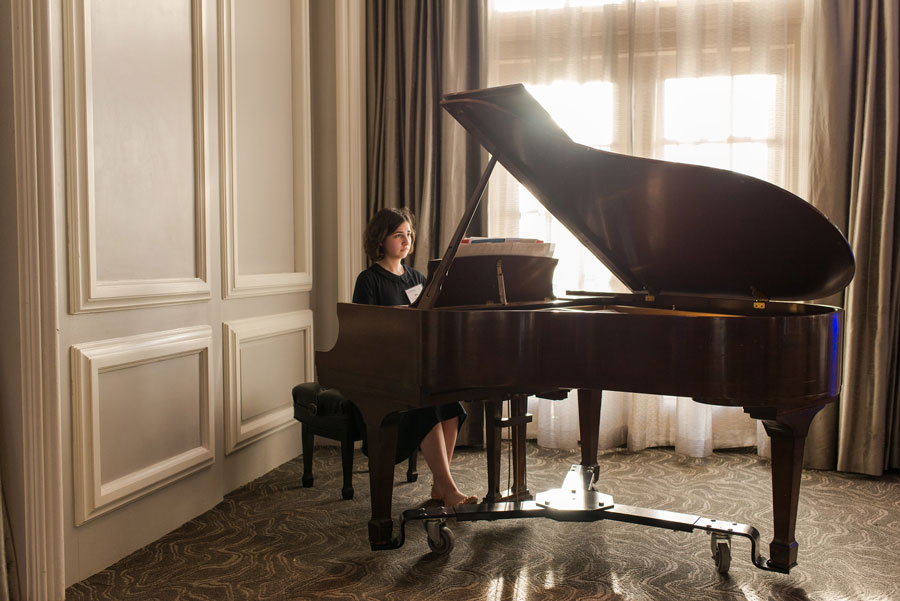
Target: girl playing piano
(389,238)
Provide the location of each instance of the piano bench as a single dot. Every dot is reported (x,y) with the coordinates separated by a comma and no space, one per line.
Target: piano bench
(325,412)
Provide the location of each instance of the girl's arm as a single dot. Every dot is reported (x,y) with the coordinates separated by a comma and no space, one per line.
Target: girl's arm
(364,292)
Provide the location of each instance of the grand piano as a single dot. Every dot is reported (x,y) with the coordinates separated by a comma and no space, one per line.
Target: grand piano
(717,262)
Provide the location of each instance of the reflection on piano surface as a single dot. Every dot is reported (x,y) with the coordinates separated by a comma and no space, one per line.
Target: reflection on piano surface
(716,260)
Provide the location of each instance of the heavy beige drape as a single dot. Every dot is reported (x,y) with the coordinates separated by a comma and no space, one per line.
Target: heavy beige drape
(852,162)
(418,157)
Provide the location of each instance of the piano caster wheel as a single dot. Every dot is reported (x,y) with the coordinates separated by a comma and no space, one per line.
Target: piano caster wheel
(721,551)
(440,538)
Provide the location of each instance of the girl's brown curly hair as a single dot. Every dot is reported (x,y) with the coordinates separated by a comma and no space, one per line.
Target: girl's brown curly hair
(383,224)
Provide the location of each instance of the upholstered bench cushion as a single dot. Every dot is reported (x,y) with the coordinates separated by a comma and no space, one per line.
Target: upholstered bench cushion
(326,411)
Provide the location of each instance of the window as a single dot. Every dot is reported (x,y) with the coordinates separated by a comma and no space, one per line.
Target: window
(725,122)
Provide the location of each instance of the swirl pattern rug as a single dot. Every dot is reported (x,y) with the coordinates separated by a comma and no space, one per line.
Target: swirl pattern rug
(274,540)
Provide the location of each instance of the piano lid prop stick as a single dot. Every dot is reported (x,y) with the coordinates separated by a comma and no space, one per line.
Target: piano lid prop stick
(429,296)
(501,285)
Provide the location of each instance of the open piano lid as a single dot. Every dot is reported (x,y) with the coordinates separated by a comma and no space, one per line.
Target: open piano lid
(662,227)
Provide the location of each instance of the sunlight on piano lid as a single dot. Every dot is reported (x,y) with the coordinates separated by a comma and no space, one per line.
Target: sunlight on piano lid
(582,110)
(673,312)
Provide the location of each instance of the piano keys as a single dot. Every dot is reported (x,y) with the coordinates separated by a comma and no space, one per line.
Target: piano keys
(716,262)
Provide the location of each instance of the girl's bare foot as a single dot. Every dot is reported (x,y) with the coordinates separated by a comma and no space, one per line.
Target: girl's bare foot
(452,498)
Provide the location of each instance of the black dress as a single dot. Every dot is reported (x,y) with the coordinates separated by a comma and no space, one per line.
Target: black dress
(378,286)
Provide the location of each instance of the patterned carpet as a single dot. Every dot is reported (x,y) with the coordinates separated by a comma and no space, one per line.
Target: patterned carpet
(274,540)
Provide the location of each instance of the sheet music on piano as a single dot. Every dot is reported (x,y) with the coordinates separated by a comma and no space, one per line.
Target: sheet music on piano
(498,271)
(525,247)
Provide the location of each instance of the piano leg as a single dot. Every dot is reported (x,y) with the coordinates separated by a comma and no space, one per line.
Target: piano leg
(493,411)
(494,424)
(787,431)
(589,402)
(518,406)
(381,430)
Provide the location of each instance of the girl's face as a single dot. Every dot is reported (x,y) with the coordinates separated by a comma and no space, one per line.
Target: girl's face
(397,243)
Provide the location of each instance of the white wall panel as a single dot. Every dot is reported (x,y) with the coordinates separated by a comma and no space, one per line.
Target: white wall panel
(142,413)
(263,132)
(265,145)
(148,413)
(135,153)
(264,358)
(270,367)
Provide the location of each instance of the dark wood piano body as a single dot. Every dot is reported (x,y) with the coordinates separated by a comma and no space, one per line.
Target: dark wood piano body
(757,358)
(699,324)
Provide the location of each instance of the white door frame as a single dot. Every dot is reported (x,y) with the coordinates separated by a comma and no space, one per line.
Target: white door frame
(41,555)
(350,68)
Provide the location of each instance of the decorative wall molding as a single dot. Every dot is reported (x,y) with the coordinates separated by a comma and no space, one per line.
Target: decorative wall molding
(93,497)
(86,291)
(40,556)
(350,70)
(235,283)
(239,432)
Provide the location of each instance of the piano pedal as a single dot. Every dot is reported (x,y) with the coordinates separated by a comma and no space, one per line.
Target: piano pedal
(440,538)
(511,494)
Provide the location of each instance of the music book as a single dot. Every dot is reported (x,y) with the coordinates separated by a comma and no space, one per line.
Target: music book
(529,247)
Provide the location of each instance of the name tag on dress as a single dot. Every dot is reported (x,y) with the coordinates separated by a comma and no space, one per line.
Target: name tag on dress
(413,293)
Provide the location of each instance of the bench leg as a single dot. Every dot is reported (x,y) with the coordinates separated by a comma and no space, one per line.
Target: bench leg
(307,438)
(347,467)
(411,474)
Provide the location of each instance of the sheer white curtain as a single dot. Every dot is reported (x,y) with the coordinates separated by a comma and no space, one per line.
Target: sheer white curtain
(713,82)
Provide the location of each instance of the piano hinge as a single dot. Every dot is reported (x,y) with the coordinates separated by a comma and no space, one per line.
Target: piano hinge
(759,299)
